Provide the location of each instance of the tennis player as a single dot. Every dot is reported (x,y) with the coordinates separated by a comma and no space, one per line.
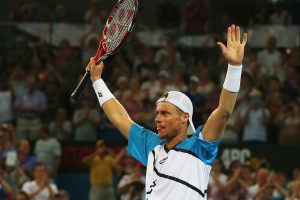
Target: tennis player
(178,166)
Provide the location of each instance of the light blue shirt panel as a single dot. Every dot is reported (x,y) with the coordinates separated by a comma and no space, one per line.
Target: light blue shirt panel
(141,142)
(205,151)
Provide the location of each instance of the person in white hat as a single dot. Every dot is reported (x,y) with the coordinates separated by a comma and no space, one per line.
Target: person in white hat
(178,166)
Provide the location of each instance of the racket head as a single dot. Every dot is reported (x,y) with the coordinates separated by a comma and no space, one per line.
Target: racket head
(119,24)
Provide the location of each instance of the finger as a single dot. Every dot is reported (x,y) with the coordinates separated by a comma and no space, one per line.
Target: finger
(221,46)
(237,34)
(233,32)
(245,37)
(228,35)
(93,61)
(88,67)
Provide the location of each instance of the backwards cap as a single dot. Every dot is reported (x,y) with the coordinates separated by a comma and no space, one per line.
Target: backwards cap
(182,102)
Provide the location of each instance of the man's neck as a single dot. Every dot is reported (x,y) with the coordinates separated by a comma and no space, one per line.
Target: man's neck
(176,140)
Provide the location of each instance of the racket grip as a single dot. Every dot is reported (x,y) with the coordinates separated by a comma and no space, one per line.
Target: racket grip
(81,85)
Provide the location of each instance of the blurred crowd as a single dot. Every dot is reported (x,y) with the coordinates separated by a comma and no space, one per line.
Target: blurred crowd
(37,116)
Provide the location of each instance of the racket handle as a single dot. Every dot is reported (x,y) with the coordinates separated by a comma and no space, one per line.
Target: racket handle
(81,85)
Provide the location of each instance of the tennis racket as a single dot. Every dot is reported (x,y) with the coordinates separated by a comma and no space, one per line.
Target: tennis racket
(119,24)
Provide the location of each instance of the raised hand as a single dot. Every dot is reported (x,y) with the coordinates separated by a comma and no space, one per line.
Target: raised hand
(95,69)
(234,50)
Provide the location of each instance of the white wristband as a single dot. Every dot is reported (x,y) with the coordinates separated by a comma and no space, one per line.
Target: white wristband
(102,91)
(233,78)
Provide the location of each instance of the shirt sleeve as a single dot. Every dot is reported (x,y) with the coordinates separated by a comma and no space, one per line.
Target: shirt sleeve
(26,187)
(56,148)
(206,151)
(141,142)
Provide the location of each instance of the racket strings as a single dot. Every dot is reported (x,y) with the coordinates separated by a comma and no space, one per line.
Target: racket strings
(120,24)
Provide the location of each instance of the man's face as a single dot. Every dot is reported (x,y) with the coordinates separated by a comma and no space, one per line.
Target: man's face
(168,120)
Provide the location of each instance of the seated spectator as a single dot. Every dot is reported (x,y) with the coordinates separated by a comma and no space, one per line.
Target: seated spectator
(40,187)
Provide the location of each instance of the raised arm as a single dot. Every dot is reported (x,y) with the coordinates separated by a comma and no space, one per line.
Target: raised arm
(115,112)
(233,53)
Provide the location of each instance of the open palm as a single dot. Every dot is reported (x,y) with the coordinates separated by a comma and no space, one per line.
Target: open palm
(234,50)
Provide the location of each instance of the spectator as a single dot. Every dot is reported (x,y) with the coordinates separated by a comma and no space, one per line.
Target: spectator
(85,120)
(290,124)
(17,80)
(197,99)
(51,85)
(95,15)
(48,151)
(269,57)
(274,103)
(131,186)
(216,180)
(25,159)
(60,126)
(101,165)
(40,188)
(151,85)
(89,42)
(7,139)
(233,187)
(122,86)
(20,52)
(254,119)
(5,188)
(6,103)
(30,105)
(146,117)
(294,185)
(272,189)
(168,58)
(13,174)
(280,16)
(59,14)
(3,140)
(261,179)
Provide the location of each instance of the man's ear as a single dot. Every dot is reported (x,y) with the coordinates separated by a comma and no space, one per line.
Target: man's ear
(185,117)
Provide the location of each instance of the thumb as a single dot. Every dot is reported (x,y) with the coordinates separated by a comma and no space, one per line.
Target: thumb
(221,46)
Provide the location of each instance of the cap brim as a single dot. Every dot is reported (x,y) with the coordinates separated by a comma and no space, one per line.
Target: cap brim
(191,129)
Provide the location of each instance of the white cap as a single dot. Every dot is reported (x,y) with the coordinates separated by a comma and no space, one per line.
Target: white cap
(182,102)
